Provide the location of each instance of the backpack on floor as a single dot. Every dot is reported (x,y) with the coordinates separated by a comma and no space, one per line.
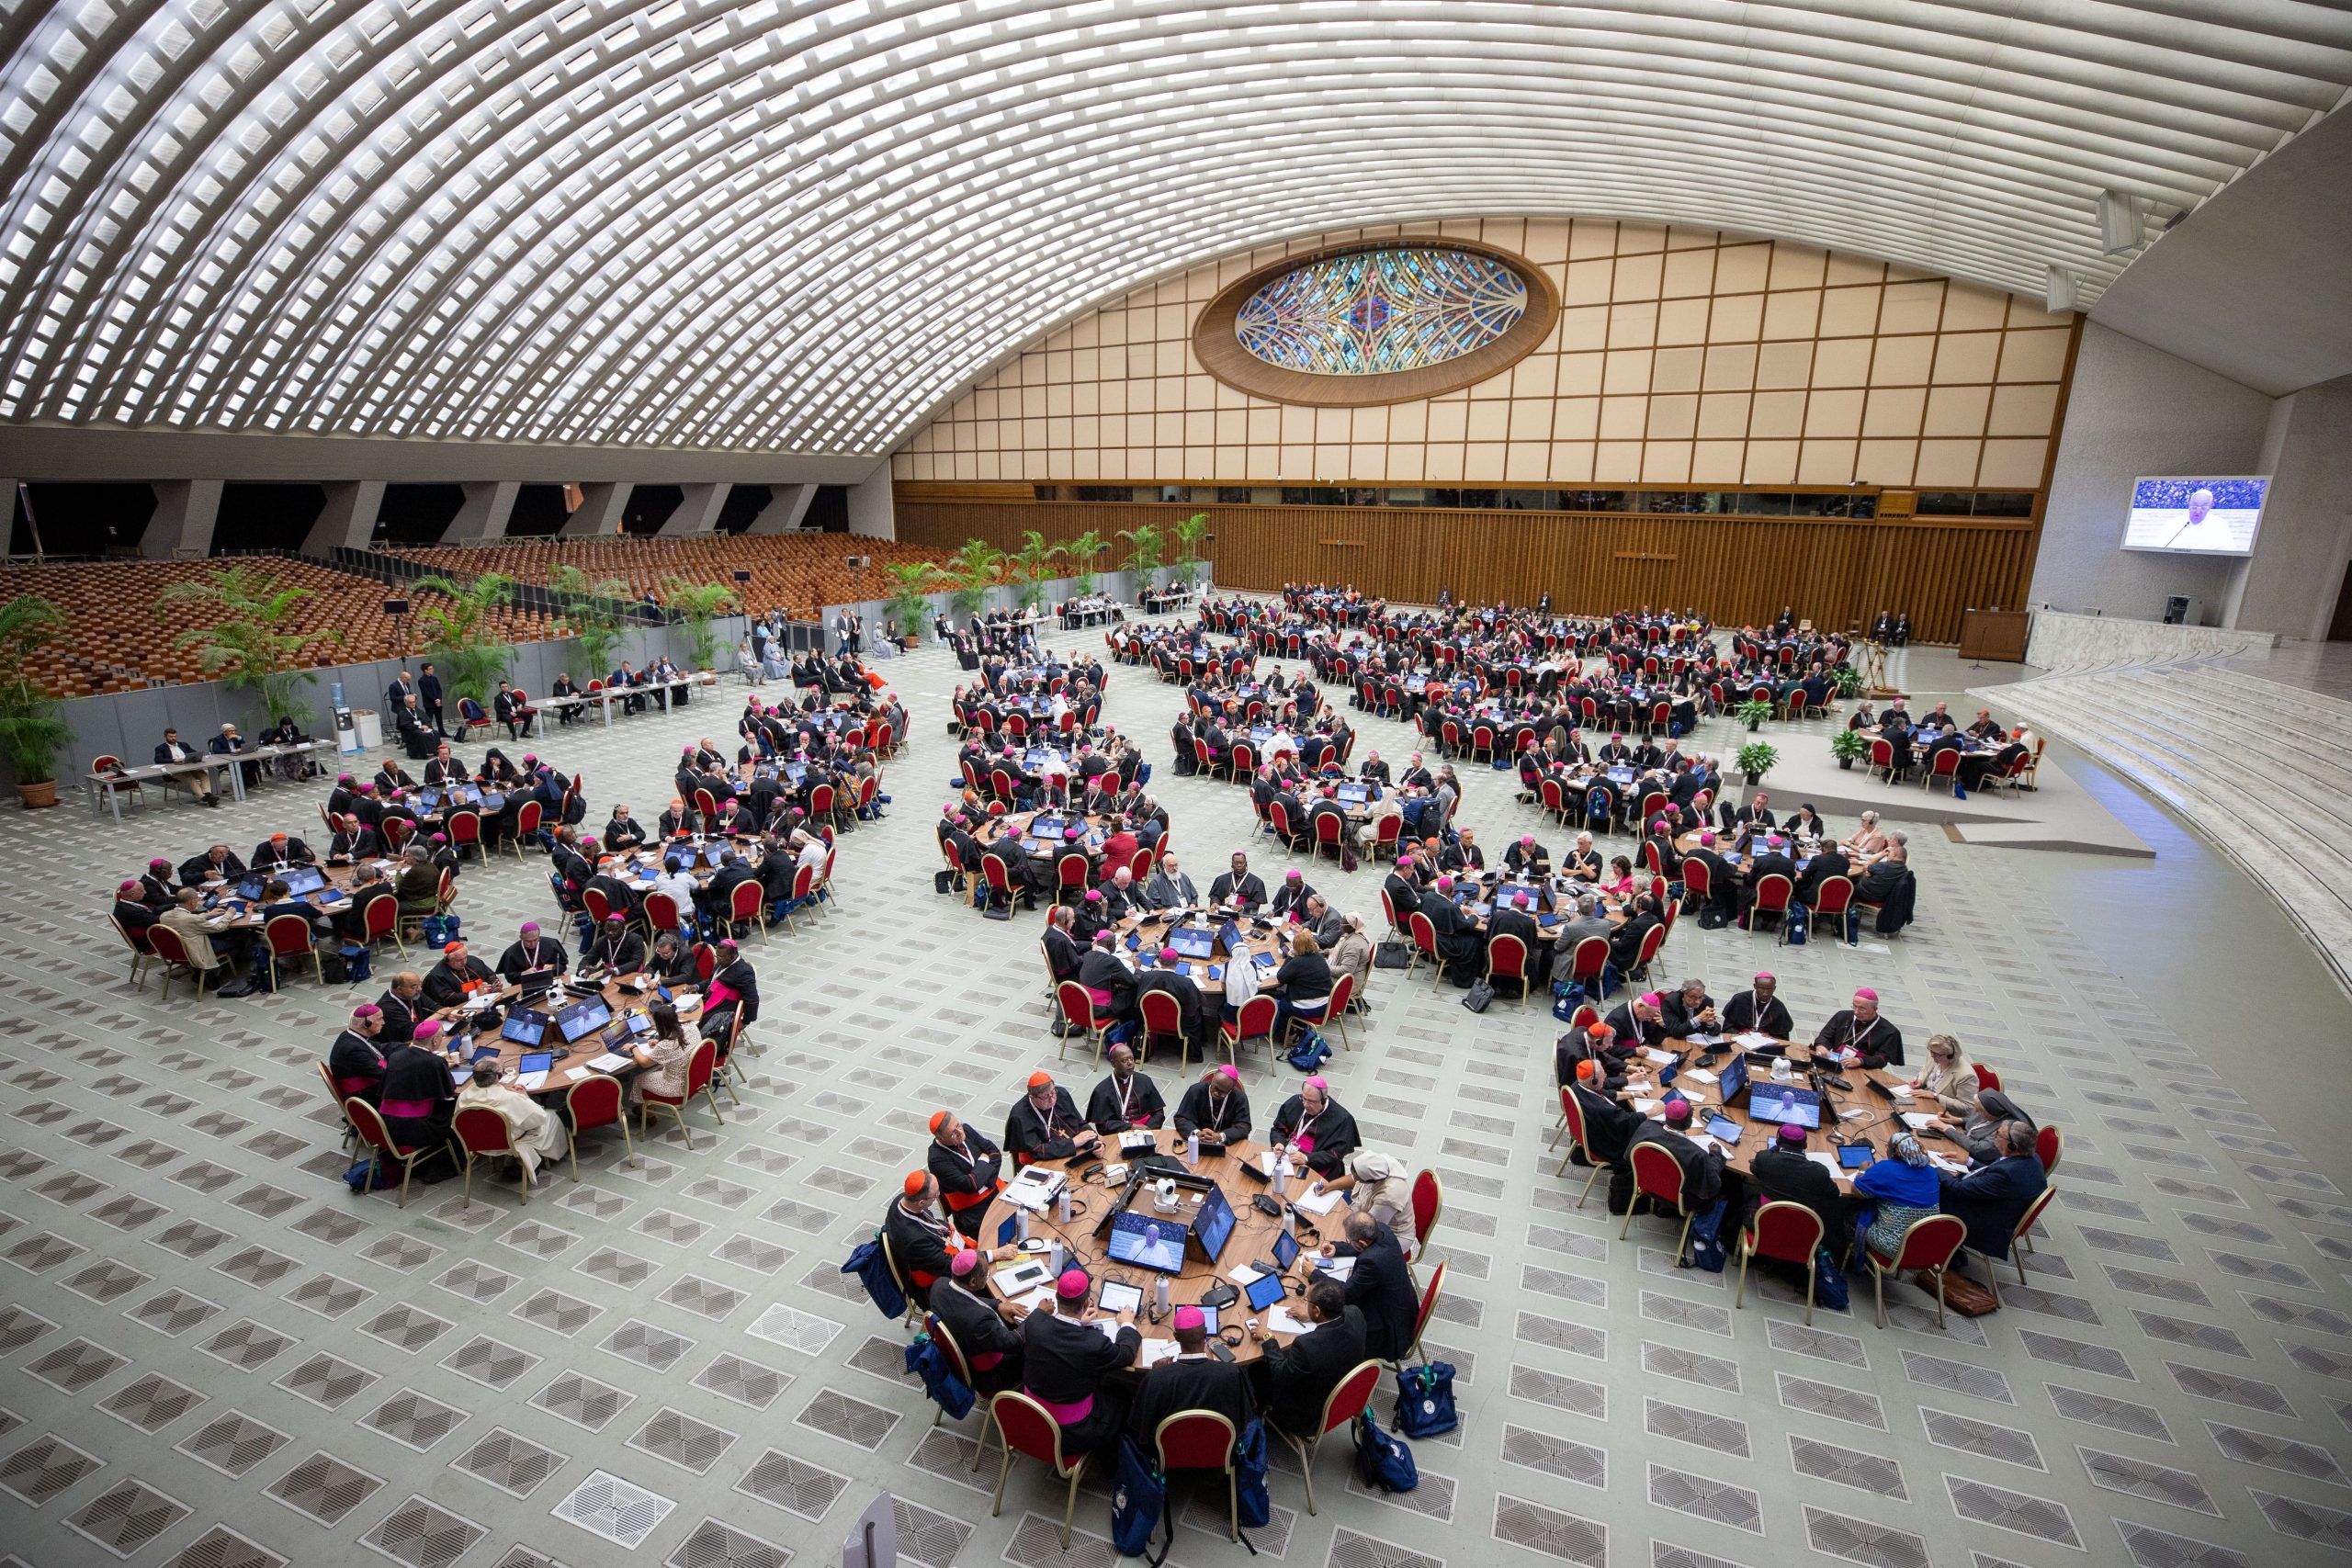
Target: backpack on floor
(1384,1463)
(1425,1401)
(1309,1054)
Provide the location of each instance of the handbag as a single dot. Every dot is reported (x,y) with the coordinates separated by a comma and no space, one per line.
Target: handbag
(1425,1401)
(1391,955)
(1963,1294)
(942,881)
(1479,998)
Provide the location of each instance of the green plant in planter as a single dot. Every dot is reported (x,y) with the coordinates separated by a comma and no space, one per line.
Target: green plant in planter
(1752,712)
(1082,552)
(1146,548)
(593,611)
(1032,565)
(1848,681)
(975,567)
(32,725)
(1189,535)
(1755,760)
(909,582)
(699,606)
(249,644)
(1849,746)
(460,634)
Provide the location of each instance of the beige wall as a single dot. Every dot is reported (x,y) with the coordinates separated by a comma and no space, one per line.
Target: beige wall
(1680,356)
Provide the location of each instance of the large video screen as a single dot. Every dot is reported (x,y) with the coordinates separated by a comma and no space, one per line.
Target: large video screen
(2196,516)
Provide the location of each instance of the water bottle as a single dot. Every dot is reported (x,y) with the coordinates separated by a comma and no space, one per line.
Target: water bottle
(1061,1204)
(1160,1298)
(1022,1216)
(1193,1147)
(1281,1173)
(1054,1260)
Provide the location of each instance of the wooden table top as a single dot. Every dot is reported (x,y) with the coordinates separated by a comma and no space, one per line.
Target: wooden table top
(621,999)
(340,878)
(997,829)
(1880,1119)
(1253,1239)
(1154,930)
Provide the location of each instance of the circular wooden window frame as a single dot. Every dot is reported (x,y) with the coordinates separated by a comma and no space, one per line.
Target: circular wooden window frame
(1220,353)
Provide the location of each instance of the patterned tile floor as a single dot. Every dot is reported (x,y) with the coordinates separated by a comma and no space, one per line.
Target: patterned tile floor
(210,1353)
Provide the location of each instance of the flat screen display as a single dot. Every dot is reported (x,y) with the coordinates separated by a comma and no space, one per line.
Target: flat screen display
(2194,516)
(1147,1242)
(1214,1224)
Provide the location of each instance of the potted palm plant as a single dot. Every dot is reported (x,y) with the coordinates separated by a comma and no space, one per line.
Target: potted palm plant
(251,644)
(909,580)
(1033,563)
(699,606)
(1848,747)
(32,723)
(1755,760)
(461,633)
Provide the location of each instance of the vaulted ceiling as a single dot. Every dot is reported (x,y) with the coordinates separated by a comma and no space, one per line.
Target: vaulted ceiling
(797,226)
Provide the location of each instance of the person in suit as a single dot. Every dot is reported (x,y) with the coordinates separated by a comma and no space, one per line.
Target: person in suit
(1689,1010)
(404,1005)
(1760,1009)
(1782,1174)
(616,950)
(1169,887)
(1991,1199)
(1238,886)
(1753,817)
(198,783)
(1464,854)
(429,697)
(1626,943)
(1215,1109)
(968,1167)
(984,1330)
(1974,1128)
(1827,862)
(1297,1379)
(512,712)
(397,695)
(1192,1381)
(1044,1123)
(1380,1285)
(1124,1098)
(1065,1362)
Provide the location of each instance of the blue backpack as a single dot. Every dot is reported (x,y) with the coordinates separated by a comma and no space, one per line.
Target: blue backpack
(1793,924)
(1382,1462)
(1311,1052)
(440,930)
(1138,1504)
(1425,1401)
(1251,1499)
(1829,1284)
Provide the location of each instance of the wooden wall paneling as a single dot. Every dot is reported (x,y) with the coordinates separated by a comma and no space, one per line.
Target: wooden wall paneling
(1835,571)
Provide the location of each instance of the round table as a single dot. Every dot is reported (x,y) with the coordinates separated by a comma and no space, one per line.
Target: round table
(1252,1238)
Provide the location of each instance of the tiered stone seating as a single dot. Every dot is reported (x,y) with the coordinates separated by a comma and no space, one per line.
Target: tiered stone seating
(799,573)
(118,641)
(2256,766)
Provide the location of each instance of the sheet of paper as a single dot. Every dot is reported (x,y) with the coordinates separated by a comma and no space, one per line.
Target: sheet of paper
(1279,1321)
(462,1077)
(574,1074)
(1319,1202)
(1158,1350)
(1657,1058)
(1753,1040)
(1698,1075)
(1943,1164)
(531,1083)
(610,1062)
(1826,1162)
(1901,1090)
(1245,1275)
(1915,1120)
(1338,1268)
(1646,1106)
(1039,1300)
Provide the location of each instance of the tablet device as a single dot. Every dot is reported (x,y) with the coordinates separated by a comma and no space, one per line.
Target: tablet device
(1117,1297)
(1286,1249)
(526,1028)
(1008,1232)
(1855,1156)
(535,1062)
(1265,1290)
(1724,1127)
(485,1050)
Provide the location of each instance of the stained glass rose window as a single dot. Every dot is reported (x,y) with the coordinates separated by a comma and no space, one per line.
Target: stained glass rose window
(1375,311)
(1372,324)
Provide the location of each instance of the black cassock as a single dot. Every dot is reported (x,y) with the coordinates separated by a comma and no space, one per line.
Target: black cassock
(1332,1133)
(1140,1106)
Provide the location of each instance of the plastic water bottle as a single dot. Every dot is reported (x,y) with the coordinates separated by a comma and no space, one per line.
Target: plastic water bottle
(1061,1204)
(1022,1216)
(1193,1147)
(1054,1261)
(1281,1173)
(1160,1298)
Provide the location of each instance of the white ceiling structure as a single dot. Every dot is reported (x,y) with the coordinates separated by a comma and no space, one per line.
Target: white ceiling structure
(797,228)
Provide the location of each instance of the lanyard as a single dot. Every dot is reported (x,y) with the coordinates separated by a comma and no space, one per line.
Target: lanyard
(1126,1095)
(963,1154)
(1217,1112)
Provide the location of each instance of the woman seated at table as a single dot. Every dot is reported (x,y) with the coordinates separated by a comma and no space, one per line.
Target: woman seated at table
(1900,1190)
(1619,883)
(497,772)
(536,1133)
(1302,987)
(1805,823)
(1948,1078)
(664,1055)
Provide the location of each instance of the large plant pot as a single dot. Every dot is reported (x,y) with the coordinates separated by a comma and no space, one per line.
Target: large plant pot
(1844,764)
(1753,779)
(38,796)
(1752,725)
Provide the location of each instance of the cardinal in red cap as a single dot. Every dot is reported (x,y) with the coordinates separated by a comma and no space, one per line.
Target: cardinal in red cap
(968,1168)
(920,1243)
(1044,1124)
